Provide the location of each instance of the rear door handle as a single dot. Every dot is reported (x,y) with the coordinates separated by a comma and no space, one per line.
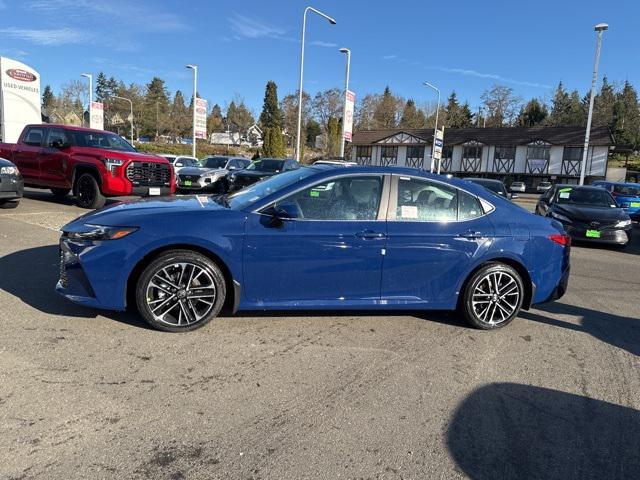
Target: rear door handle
(471,235)
(370,235)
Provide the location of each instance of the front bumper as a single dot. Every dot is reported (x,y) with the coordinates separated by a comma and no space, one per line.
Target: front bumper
(619,236)
(11,187)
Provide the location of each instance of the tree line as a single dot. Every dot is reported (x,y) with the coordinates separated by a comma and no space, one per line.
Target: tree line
(159,113)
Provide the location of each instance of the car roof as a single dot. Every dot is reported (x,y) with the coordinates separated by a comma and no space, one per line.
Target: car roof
(624,184)
(68,127)
(487,180)
(583,187)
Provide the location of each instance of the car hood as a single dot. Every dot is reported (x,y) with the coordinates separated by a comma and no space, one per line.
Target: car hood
(589,214)
(253,174)
(133,213)
(200,170)
(134,156)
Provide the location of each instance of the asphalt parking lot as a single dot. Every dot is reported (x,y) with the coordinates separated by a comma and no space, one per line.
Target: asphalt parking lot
(91,394)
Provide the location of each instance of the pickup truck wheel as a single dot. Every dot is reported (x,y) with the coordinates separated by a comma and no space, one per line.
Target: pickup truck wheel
(9,203)
(88,193)
(60,192)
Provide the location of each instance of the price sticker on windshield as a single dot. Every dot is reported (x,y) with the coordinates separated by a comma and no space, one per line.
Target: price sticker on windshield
(564,194)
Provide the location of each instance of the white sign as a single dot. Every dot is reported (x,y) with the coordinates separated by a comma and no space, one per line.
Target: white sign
(96,115)
(19,98)
(201,118)
(350,100)
(437,150)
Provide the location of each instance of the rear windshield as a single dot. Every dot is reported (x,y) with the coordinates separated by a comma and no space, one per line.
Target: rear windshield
(267,165)
(215,162)
(627,190)
(585,196)
(188,162)
(104,140)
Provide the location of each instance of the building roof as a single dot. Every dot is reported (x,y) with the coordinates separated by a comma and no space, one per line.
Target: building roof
(600,136)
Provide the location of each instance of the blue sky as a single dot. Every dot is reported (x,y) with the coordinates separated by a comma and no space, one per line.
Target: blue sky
(239,45)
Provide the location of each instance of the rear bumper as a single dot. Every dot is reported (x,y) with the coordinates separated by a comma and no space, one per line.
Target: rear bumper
(561,288)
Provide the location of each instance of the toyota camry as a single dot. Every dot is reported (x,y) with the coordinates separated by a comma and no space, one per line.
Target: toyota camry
(319,237)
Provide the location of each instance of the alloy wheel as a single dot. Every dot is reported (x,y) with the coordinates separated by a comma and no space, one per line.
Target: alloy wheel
(181,294)
(495,298)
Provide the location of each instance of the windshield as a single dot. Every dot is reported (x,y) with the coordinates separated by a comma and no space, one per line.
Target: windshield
(585,196)
(215,162)
(627,190)
(261,189)
(267,165)
(495,187)
(188,162)
(104,140)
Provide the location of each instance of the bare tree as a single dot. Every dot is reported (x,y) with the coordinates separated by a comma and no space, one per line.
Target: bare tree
(501,105)
(326,105)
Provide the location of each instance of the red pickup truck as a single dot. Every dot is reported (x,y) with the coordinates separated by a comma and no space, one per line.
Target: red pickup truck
(94,164)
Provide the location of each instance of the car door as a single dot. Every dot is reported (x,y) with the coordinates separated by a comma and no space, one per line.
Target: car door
(27,154)
(53,160)
(331,254)
(434,233)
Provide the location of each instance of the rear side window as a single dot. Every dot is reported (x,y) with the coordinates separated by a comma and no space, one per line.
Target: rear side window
(34,136)
(468,206)
(424,201)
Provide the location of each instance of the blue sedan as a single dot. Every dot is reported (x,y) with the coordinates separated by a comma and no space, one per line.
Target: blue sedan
(319,237)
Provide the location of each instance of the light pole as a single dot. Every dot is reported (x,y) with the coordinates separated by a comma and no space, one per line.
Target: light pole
(131,117)
(304,26)
(90,77)
(599,28)
(195,91)
(344,109)
(435,128)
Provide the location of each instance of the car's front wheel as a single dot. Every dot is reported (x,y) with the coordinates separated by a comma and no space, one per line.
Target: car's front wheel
(181,290)
(493,296)
(9,203)
(87,191)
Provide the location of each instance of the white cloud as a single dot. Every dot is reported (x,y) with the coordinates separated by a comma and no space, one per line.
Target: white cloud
(48,37)
(147,18)
(389,57)
(491,76)
(320,43)
(247,27)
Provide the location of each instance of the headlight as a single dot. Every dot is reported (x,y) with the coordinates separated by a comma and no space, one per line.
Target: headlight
(8,171)
(111,164)
(623,223)
(560,217)
(100,232)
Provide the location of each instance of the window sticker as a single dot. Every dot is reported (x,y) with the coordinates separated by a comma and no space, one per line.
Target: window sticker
(565,190)
(314,193)
(409,211)
(564,194)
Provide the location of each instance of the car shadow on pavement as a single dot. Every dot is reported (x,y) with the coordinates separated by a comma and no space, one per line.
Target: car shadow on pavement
(621,332)
(47,196)
(31,275)
(514,431)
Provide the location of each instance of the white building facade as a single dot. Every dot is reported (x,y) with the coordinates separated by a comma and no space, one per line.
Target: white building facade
(531,155)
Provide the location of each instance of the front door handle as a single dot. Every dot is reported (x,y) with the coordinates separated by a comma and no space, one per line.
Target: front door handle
(471,235)
(370,235)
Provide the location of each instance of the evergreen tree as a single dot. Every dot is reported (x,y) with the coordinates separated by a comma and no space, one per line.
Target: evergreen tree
(48,99)
(271,123)
(102,87)
(456,116)
(566,109)
(466,116)
(604,104)
(577,114)
(532,114)
(180,119)
(385,114)
(334,131)
(627,117)
(156,108)
(215,122)
(313,129)
(239,118)
(412,117)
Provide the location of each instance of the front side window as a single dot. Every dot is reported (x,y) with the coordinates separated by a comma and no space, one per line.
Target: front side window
(346,198)
(425,201)
(57,136)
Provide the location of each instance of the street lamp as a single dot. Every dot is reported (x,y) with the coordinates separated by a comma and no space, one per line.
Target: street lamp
(344,109)
(90,77)
(131,116)
(195,90)
(599,28)
(435,129)
(304,26)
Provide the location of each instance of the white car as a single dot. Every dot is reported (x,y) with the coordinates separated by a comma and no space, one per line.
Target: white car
(209,175)
(335,162)
(184,161)
(543,187)
(518,187)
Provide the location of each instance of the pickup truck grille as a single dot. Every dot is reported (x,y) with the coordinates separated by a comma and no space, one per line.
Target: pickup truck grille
(149,174)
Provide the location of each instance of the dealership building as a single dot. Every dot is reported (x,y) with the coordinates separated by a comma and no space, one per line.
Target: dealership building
(531,155)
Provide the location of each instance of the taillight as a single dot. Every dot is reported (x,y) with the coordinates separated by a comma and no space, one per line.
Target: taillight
(560,239)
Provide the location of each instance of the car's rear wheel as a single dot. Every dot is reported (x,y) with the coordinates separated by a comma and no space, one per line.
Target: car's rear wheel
(493,296)
(87,191)
(9,203)
(60,192)
(181,290)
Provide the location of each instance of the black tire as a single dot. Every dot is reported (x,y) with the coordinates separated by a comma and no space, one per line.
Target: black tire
(87,191)
(60,192)
(9,204)
(181,314)
(496,313)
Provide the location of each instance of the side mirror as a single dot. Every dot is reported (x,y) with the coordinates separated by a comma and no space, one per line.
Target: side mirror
(287,211)
(59,144)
